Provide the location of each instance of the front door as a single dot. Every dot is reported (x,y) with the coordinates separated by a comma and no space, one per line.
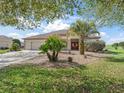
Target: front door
(74,44)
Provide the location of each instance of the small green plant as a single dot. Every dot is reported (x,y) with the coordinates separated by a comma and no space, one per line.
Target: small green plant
(15,47)
(52,47)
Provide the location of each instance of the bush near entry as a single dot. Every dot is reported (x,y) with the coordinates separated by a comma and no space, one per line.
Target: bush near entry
(52,47)
(95,46)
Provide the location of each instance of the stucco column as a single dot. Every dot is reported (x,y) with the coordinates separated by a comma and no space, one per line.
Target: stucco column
(69,44)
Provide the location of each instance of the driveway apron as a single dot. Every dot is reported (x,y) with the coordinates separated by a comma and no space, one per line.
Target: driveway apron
(16,57)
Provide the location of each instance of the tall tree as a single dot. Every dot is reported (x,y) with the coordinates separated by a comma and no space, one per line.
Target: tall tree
(12,12)
(106,12)
(83,29)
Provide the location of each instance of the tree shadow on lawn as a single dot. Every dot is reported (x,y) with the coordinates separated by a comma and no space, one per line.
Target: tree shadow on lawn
(111,52)
(114,59)
(95,56)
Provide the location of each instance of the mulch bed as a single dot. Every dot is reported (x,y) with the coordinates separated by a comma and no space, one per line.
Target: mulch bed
(78,60)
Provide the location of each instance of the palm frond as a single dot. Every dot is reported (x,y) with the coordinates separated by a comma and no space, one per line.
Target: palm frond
(84,28)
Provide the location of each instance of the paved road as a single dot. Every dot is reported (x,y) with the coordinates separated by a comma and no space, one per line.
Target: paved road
(16,57)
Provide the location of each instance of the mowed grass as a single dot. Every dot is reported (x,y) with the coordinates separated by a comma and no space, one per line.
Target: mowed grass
(111,49)
(106,76)
(3,51)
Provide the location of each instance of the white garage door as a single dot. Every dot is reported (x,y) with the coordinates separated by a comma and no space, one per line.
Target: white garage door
(33,44)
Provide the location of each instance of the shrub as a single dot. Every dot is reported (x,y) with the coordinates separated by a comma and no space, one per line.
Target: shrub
(121,44)
(95,46)
(17,41)
(52,47)
(15,47)
(115,45)
(4,48)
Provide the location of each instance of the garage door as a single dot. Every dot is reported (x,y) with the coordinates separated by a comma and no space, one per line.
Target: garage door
(35,45)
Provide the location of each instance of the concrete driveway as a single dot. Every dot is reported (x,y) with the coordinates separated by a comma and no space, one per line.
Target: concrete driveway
(16,57)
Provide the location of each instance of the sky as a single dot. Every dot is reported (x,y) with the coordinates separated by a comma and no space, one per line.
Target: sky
(109,34)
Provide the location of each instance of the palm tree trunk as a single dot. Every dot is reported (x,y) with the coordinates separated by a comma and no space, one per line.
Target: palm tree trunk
(82,48)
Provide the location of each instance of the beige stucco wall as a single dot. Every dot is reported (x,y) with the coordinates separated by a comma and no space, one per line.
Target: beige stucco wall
(33,44)
(5,42)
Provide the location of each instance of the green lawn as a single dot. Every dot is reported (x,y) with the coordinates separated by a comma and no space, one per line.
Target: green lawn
(3,51)
(115,51)
(106,76)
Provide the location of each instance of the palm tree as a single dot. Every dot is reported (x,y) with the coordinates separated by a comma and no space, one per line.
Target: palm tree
(83,29)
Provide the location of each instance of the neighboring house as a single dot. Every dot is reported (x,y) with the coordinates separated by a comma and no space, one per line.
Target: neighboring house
(5,42)
(72,40)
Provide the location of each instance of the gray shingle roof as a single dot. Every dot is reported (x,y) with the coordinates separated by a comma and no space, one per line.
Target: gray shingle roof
(59,32)
(5,37)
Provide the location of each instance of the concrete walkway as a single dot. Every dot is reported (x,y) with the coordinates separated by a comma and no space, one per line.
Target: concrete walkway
(16,57)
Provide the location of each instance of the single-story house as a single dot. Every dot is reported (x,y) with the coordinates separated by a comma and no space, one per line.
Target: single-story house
(34,42)
(5,42)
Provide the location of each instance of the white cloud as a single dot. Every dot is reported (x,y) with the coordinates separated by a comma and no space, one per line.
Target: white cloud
(32,34)
(14,35)
(102,33)
(56,25)
(121,34)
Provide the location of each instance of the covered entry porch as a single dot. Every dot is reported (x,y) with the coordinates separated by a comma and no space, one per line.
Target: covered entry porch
(73,44)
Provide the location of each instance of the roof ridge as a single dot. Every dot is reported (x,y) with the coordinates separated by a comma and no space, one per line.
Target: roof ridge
(5,36)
